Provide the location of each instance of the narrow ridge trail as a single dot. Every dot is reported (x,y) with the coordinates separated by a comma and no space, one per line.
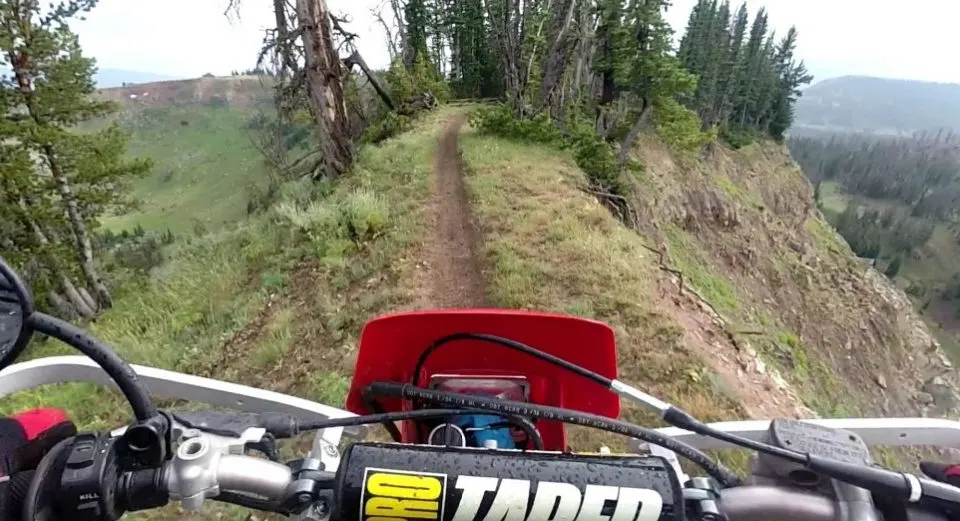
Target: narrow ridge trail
(453,251)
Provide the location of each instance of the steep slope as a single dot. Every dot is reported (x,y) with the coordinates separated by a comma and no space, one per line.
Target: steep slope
(877,105)
(734,299)
(551,246)
(744,224)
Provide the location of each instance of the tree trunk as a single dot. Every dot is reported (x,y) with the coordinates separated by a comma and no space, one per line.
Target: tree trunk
(401,29)
(283,43)
(325,84)
(82,244)
(67,287)
(52,263)
(533,51)
(627,145)
(392,50)
(356,59)
(558,57)
(85,295)
(502,29)
(61,307)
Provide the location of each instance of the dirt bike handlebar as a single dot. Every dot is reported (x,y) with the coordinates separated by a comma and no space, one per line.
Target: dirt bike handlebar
(257,483)
(200,471)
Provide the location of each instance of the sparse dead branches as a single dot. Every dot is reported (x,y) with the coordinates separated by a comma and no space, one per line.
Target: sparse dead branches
(346,36)
(391,39)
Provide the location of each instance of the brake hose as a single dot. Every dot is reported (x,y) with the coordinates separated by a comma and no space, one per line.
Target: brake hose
(512,344)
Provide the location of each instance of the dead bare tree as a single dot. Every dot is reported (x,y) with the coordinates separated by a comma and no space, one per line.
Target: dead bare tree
(392,48)
(356,59)
(324,80)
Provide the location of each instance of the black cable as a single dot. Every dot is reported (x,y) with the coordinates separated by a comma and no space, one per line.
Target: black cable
(512,344)
(411,392)
(528,428)
(374,406)
(671,414)
(684,420)
(118,370)
(423,414)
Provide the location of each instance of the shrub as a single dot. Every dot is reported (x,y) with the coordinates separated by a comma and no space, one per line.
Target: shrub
(365,215)
(593,155)
(501,121)
(679,126)
(385,128)
(359,217)
(422,77)
(737,138)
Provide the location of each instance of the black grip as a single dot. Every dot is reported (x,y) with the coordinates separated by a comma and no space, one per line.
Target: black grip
(393,482)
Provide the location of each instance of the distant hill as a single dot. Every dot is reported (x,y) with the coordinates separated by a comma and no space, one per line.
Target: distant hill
(107,78)
(877,105)
(233,91)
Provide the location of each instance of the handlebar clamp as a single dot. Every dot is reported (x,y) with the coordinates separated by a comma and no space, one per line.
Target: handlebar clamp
(311,487)
(702,496)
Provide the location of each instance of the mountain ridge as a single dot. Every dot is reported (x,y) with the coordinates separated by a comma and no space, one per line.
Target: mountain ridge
(875,105)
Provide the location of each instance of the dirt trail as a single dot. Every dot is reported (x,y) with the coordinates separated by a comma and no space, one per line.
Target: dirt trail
(453,251)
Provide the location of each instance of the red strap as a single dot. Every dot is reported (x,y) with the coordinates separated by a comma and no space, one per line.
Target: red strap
(36,421)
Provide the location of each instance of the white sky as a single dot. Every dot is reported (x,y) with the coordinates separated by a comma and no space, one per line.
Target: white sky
(187,38)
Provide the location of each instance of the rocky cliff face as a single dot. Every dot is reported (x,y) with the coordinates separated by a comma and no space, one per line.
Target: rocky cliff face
(743,229)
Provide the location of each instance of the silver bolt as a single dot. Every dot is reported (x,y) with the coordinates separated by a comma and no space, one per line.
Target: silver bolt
(330,450)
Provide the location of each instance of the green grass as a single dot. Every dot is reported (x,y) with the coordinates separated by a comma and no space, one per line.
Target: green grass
(716,289)
(202,169)
(832,199)
(550,246)
(205,310)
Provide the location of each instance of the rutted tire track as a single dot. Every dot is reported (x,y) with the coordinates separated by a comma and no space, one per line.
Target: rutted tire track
(456,278)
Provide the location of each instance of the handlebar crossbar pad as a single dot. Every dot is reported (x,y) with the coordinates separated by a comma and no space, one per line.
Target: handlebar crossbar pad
(394,482)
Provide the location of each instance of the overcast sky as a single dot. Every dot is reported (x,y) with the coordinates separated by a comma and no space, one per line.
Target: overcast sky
(187,38)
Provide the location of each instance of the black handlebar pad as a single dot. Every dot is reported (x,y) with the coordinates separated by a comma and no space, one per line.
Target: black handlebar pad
(393,482)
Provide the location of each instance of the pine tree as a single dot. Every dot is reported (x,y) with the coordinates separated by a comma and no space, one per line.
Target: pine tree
(416,16)
(58,182)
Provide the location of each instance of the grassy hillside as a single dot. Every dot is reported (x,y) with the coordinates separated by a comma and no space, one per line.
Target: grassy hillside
(205,166)
(877,105)
(288,288)
(770,279)
(198,135)
(277,300)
